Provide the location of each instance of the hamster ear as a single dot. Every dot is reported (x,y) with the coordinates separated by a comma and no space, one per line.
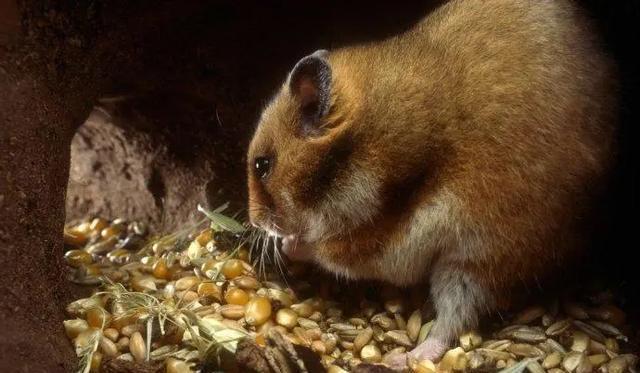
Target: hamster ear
(310,83)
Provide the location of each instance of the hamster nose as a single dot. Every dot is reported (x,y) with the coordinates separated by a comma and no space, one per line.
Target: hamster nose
(262,166)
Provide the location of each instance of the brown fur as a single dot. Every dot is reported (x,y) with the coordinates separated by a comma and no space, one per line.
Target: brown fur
(498,113)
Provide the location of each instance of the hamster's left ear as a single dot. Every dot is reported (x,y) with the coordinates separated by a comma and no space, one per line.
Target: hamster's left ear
(310,83)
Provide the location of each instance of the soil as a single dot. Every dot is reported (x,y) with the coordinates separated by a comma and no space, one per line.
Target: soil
(171,91)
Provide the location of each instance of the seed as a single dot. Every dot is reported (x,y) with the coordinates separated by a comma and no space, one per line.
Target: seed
(552,360)
(187,296)
(346,345)
(507,332)
(475,360)
(79,307)
(611,345)
(126,357)
(609,313)
(176,366)
(575,310)
(236,296)
(580,342)
(598,359)
(424,331)
(330,341)
(314,333)
(454,359)
(257,311)
(98,224)
(525,350)
(187,283)
(74,327)
(358,322)
(584,366)
(102,247)
(318,347)
(85,338)
(535,367)
(143,283)
(287,318)
(499,345)
(556,346)
(232,268)
(77,258)
(413,325)
(316,316)
(209,290)
(348,335)
(111,232)
(470,340)
(129,330)
(424,366)
(609,329)
(528,335)
(501,364)
(307,324)
(617,365)
(398,337)
(108,347)
(232,311)
(547,320)
(205,236)
(98,317)
(342,327)
(371,354)
(96,362)
(209,265)
(400,321)
(589,330)
(529,314)
(246,282)
(75,238)
(302,336)
(362,339)
(335,369)
(137,347)
(161,270)
(558,327)
(302,309)
(493,354)
(384,322)
(572,360)
(279,297)
(111,333)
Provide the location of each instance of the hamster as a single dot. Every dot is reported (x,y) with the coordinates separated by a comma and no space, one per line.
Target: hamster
(465,152)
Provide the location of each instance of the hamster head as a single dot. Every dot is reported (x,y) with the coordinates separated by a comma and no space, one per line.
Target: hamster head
(308,179)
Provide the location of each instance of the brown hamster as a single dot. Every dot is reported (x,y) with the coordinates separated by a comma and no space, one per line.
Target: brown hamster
(465,151)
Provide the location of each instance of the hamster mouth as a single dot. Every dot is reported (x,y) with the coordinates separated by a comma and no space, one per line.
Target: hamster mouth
(295,249)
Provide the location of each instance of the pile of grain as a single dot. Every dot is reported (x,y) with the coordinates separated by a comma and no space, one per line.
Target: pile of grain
(185,300)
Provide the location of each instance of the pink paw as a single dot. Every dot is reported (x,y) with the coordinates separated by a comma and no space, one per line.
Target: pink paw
(431,349)
(397,362)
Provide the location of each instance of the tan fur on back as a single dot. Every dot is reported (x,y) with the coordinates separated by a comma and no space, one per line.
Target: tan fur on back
(479,139)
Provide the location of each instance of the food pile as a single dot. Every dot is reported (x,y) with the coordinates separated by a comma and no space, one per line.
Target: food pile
(185,302)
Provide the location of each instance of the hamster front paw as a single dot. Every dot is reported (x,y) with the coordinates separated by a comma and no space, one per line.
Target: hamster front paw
(296,250)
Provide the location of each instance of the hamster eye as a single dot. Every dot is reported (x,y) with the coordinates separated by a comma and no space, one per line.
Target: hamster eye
(262,166)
